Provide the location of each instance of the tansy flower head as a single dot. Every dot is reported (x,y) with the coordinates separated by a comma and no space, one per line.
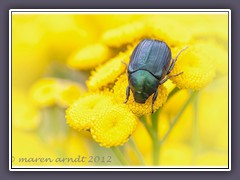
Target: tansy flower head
(164,29)
(69,93)
(114,126)
(44,91)
(197,65)
(89,57)
(51,91)
(108,72)
(137,108)
(125,34)
(81,114)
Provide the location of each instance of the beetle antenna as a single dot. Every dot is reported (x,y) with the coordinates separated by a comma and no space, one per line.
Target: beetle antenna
(181,52)
(124,63)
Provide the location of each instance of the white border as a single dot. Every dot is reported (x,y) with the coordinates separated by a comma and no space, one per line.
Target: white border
(118,168)
(229,87)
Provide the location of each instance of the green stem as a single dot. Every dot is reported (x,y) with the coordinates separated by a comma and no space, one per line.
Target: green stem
(156,151)
(154,118)
(156,145)
(192,96)
(174,91)
(155,139)
(138,153)
(119,155)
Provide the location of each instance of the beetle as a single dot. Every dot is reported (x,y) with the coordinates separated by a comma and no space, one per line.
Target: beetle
(150,63)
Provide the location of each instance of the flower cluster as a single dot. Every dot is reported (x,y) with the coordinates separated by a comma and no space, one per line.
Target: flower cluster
(102,110)
(51,91)
(109,123)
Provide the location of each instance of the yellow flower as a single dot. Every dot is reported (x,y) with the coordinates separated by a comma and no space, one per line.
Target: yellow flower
(52,91)
(165,29)
(197,65)
(81,114)
(110,124)
(108,72)
(125,34)
(44,92)
(89,57)
(114,125)
(63,35)
(69,93)
(137,108)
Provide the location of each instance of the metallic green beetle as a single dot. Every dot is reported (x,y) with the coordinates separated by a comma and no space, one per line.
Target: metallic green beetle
(150,64)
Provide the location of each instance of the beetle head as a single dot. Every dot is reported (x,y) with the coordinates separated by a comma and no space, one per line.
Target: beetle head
(143,84)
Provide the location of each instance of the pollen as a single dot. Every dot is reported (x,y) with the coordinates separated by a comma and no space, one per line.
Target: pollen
(89,57)
(197,65)
(81,114)
(125,34)
(108,72)
(137,108)
(115,125)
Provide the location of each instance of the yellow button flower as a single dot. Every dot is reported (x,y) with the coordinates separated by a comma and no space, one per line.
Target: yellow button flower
(172,32)
(89,57)
(114,125)
(44,92)
(110,124)
(108,72)
(125,34)
(69,93)
(197,65)
(84,111)
(52,91)
(137,108)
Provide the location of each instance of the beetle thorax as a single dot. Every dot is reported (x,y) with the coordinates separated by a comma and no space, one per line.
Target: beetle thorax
(143,84)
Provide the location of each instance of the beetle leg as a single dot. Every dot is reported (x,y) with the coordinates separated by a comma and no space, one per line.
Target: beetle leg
(174,60)
(154,98)
(168,77)
(127,94)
